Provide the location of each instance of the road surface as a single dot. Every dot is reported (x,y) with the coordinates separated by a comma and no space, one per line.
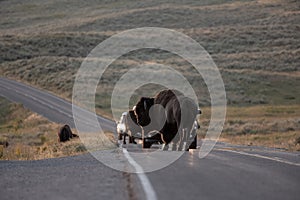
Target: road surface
(228,172)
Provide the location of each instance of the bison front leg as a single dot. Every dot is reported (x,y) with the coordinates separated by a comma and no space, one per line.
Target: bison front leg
(124,138)
(183,140)
(173,142)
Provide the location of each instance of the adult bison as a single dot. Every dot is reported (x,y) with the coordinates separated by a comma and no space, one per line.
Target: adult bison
(172,115)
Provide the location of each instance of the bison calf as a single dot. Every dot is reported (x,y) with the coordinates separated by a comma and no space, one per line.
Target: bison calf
(65,133)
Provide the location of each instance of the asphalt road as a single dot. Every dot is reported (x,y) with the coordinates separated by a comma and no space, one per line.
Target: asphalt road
(228,172)
(44,103)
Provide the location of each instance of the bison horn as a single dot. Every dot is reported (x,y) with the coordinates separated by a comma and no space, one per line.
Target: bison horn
(145,105)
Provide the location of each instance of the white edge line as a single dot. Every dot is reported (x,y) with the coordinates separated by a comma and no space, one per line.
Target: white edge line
(260,156)
(148,189)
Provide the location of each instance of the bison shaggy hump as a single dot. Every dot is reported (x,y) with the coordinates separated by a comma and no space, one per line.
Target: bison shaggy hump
(177,111)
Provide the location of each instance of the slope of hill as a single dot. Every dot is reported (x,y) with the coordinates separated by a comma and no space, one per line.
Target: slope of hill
(255,44)
(28,136)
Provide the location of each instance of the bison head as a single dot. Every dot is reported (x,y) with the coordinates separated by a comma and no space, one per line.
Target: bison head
(132,116)
(142,110)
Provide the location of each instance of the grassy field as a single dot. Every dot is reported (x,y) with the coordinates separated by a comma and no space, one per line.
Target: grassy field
(255,44)
(261,125)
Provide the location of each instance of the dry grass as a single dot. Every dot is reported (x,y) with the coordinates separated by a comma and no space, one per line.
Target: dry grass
(272,126)
(286,141)
(31,137)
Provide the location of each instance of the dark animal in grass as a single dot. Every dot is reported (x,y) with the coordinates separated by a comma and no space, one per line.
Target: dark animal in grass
(176,113)
(65,133)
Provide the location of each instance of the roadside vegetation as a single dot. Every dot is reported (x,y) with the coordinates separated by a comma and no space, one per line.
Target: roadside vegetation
(254,43)
(27,136)
(261,125)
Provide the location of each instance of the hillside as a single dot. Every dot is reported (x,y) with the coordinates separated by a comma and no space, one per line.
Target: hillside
(254,43)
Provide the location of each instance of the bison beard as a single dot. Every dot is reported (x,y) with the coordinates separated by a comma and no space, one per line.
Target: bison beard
(179,115)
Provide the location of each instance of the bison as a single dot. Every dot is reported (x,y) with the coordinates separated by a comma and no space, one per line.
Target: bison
(176,111)
(65,133)
(127,126)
